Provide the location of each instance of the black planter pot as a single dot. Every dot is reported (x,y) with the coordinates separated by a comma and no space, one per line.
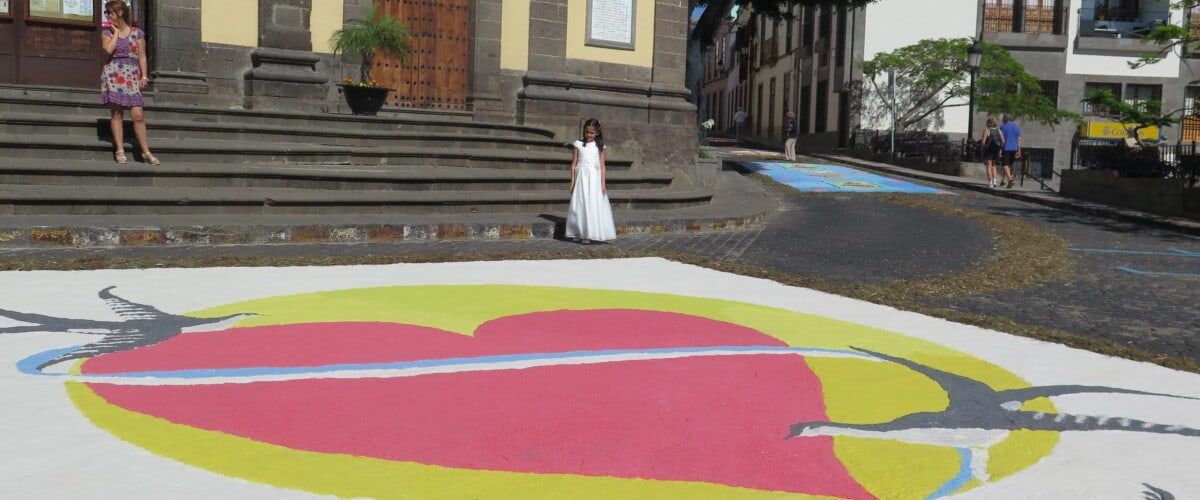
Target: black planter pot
(365,100)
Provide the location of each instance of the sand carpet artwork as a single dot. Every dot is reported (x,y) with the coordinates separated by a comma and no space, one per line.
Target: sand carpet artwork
(631,378)
(815,177)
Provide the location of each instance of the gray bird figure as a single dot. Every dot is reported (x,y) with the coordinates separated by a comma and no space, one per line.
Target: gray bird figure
(978,416)
(141,325)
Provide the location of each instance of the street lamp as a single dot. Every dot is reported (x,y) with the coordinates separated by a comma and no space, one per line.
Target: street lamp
(974,54)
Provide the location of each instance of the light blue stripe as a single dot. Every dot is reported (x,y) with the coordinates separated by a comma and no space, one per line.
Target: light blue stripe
(959,480)
(30,364)
(426,363)
(1174,252)
(1157,273)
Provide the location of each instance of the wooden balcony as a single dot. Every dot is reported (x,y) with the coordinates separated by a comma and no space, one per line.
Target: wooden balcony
(1010,18)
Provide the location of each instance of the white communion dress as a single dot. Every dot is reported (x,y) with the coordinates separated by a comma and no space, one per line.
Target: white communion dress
(590,216)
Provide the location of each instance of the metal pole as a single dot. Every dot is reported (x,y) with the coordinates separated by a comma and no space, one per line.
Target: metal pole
(971,114)
(892,94)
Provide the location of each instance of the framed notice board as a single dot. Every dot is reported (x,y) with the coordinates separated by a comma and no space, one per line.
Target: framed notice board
(611,23)
(62,11)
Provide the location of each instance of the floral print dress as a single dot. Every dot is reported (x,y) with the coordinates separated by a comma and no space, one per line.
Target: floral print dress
(120,81)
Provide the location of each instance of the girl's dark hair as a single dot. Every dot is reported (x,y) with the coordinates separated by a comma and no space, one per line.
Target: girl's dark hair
(594,123)
(119,5)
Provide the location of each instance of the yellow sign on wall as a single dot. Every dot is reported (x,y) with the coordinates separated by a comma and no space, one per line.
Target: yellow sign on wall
(1095,129)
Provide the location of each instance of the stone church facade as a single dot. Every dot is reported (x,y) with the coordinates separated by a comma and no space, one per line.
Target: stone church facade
(521,61)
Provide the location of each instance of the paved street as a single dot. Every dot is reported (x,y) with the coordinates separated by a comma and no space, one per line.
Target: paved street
(604,378)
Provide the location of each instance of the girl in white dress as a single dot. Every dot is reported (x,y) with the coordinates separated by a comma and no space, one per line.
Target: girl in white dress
(590,215)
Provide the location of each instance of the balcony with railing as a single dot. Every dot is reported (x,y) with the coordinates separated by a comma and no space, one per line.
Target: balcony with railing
(1020,24)
(1119,30)
(1120,23)
(1192,21)
(1006,17)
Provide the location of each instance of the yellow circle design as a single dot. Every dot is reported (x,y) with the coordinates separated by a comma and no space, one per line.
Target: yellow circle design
(855,391)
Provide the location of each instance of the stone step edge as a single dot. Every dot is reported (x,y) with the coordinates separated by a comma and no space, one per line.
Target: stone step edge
(332,172)
(296,115)
(201,235)
(25,194)
(89,122)
(197,146)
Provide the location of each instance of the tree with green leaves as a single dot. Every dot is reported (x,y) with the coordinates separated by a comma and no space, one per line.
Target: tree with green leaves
(366,37)
(1170,38)
(715,11)
(1133,116)
(933,75)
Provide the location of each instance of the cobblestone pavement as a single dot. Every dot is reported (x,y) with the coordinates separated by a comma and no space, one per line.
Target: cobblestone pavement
(1131,284)
(1144,300)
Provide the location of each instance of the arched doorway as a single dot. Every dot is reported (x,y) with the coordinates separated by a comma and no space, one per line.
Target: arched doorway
(435,76)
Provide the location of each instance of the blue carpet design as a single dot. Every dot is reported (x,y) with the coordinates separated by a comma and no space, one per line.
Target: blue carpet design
(813,177)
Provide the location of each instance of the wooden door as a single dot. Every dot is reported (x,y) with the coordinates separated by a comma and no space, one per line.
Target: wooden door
(435,75)
(55,42)
(8,42)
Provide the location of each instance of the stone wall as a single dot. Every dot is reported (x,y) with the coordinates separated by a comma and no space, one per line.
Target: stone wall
(1161,196)
(643,106)
(644,110)
(281,73)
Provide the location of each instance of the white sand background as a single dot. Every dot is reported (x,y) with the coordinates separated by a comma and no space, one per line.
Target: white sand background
(50,451)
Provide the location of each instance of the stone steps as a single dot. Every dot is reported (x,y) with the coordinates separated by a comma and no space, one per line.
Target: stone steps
(87,105)
(67,147)
(736,201)
(328,177)
(31,124)
(56,160)
(16,199)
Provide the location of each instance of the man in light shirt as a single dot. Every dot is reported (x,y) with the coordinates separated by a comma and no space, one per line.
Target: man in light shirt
(739,121)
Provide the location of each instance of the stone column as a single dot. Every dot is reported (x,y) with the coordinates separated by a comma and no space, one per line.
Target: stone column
(485,100)
(676,145)
(178,72)
(548,36)
(670,41)
(284,73)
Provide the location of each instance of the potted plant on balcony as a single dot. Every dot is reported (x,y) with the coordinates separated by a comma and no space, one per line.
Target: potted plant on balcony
(378,33)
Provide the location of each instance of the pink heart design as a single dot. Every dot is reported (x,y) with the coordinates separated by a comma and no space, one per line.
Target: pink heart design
(715,419)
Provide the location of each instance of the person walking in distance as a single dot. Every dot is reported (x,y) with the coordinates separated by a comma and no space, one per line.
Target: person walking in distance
(1012,147)
(991,143)
(123,78)
(589,217)
(739,122)
(793,133)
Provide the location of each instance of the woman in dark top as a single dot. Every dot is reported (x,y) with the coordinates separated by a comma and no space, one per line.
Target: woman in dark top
(992,143)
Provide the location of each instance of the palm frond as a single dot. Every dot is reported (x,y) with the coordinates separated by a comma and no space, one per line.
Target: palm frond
(376,33)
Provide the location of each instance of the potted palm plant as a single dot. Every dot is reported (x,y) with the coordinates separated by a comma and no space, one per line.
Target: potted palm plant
(378,33)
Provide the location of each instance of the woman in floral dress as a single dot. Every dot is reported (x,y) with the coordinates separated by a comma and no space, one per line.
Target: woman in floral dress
(124,77)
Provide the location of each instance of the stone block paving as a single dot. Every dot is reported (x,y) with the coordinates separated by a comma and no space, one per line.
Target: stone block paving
(722,246)
(1156,311)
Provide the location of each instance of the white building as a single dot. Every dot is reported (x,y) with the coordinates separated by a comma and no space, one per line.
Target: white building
(1071,46)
